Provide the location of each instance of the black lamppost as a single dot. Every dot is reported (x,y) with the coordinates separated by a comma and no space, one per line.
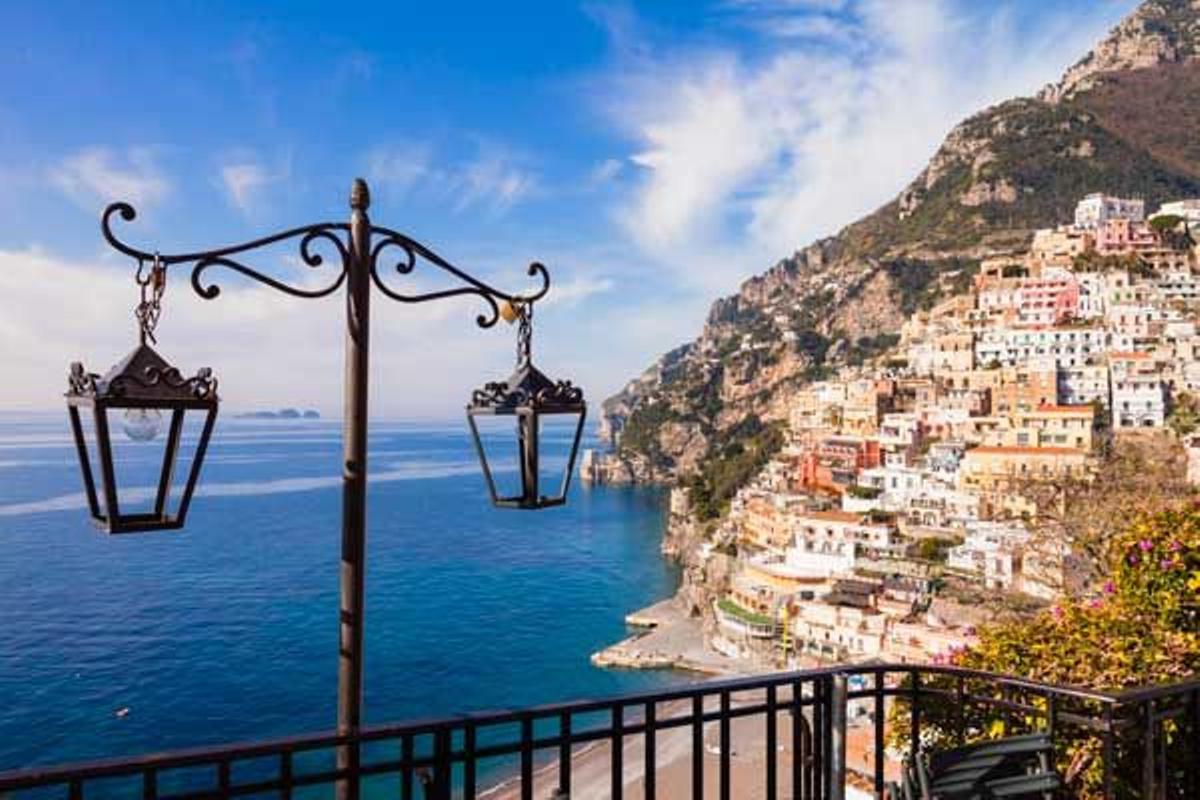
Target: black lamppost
(144,385)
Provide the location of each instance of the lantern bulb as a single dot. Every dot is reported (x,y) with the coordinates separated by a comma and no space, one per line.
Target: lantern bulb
(142,424)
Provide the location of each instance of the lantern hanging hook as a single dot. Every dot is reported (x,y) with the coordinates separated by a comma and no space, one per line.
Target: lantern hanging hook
(149,308)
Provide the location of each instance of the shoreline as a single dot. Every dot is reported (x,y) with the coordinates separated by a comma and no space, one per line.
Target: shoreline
(668,638)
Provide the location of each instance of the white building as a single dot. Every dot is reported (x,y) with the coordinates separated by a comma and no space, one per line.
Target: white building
(1138,394)
(1132,320)
(1099,290)
(1097,208)
(1069,346)
(991,550)
(842,533)
(900,434)
(1082,384)
(1178,284)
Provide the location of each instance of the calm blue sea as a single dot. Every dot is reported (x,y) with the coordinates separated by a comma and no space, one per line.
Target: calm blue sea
(228,629)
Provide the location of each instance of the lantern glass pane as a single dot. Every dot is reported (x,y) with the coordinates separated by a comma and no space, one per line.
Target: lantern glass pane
(499,436)
(191,429)
(87,425)
(138,438)
(557,436)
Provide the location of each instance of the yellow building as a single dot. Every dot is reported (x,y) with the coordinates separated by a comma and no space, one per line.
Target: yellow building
(1025,389)
(1046,426)
(765,525)
(1000,473)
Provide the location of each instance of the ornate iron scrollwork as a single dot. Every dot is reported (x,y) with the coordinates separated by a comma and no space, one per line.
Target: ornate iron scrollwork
(80,381)
(563,392)
(410,252)
(495,393)
(201,385)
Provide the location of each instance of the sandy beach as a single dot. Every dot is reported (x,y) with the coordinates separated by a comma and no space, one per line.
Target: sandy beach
(591,765)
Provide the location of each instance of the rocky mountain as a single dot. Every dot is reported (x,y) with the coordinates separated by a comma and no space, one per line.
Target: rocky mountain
(1122,120)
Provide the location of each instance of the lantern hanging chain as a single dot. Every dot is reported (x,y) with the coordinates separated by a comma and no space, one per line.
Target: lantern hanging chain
(152,285)
(524,334)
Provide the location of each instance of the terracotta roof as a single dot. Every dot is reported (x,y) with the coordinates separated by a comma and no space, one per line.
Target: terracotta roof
(1082,408)
(1033,451)
(1119,355)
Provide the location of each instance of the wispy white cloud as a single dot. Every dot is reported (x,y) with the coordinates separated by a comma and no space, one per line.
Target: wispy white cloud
(101,174)
(244,178)
(578,289)
(604,172)
(495,179)
(399,166)
(746,153)
(786,5)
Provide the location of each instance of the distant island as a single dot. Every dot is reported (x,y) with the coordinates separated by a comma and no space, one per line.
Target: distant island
(283,413)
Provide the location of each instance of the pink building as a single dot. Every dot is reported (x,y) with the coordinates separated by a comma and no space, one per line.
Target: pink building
(1046,299)
(1049,299)
(1118,236)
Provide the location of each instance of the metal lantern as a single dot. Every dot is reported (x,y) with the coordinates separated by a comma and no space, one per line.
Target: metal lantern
(147,394)
(528,396)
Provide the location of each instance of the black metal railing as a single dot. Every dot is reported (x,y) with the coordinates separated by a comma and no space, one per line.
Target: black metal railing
(1139,743)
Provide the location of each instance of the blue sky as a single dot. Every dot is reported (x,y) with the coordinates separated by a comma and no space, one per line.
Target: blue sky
(653,155)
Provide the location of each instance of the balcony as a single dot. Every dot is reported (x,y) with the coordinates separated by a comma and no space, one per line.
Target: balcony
(826,733)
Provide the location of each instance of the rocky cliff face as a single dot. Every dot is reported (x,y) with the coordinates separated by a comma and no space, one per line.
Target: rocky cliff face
(840,301)
(1158,32)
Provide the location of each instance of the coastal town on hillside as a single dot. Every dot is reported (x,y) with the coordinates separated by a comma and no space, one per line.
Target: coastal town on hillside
(909,487)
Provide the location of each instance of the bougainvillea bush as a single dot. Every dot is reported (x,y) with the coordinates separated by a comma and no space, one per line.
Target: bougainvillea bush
(1141,626)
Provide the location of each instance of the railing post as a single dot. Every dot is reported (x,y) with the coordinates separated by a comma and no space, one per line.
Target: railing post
(914,713)
(724,786)
(564,755)
(1193,763)
(1109,751)
(527,757)
(801,774)
(820,719)
(880,721)
(698,746)
(838,700)
(617,790)
(442,768)
(650,764)
(771,745)
(469,761)
(1148,754)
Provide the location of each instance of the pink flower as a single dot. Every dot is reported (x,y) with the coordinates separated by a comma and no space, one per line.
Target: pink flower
(1133,559)
(1057,611)
(1095,602)
(1166,564)
(1175,547)
(1110,587)
(1146,545)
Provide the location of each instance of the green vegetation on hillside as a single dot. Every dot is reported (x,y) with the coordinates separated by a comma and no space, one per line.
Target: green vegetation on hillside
(734,457)
(866,348)
(1038,149)
(641,430)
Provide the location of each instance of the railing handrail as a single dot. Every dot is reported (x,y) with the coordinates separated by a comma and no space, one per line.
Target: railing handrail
(179,758)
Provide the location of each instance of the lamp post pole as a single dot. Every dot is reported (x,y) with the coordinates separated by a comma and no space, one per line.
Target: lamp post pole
(354,482)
